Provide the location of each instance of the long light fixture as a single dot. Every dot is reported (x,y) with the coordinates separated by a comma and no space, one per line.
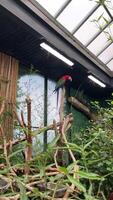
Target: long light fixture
(56,53)
(96,81)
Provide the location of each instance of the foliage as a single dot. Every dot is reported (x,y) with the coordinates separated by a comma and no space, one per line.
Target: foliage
(88,176)
(46,179)
(101,22)
(94,149)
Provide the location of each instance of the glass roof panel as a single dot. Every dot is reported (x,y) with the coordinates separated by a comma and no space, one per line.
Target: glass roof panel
(110,65)
(101,41)
(98,44)
(51,6)
(90,28)
(74,13)
(106,55)
(109,5)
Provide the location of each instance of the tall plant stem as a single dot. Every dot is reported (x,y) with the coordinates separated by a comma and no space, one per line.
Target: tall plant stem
(28,152)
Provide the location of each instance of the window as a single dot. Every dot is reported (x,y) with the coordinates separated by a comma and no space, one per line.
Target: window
(33,86)
(52,110)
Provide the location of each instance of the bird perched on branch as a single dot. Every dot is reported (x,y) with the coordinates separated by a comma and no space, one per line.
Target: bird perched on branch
(62,83)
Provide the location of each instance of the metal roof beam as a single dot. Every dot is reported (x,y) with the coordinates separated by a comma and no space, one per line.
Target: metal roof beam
(62,8)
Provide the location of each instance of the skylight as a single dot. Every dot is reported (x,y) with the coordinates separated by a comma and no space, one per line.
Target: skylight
(90,27)
(74,13)
(109,5)
(110,65)
(102,41)
(99,44)
(51,6)
(107,54)
(88,22)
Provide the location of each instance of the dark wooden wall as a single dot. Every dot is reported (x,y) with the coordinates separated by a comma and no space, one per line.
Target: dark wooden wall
(8,88)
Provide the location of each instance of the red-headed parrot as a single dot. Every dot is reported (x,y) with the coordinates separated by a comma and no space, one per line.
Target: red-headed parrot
(61,83)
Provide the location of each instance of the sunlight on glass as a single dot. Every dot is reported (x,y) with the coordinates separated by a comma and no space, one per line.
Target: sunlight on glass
(33,87)
(52,103)
(74,13)
(51,6)
(98,44)
(91,26)
(101,41)
(53,113)
(109,5)
(110,65)
(107,54)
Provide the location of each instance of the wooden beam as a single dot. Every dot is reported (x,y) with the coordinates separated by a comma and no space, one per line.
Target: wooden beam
(82,108)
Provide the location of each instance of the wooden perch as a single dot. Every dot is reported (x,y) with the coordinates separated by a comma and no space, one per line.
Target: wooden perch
(83,108)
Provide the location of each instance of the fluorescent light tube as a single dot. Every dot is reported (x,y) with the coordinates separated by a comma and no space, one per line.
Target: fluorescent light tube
(56,53)
(96,81)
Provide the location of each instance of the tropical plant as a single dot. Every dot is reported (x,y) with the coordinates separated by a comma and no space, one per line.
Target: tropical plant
(94,149)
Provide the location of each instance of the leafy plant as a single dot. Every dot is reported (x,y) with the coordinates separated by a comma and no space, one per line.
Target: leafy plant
(94,149)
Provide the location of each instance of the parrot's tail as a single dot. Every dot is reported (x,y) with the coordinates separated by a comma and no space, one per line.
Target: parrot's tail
(57,93)
(57,97)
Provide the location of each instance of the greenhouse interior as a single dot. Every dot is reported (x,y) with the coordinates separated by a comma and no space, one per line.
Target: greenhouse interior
(56,100)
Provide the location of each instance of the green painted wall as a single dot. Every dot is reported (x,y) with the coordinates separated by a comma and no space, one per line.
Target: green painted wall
(80,122)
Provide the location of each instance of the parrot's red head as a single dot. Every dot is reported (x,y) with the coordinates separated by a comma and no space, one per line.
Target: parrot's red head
(67,78)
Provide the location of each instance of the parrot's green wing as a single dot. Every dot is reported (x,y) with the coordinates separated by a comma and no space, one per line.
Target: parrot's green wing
(59,84)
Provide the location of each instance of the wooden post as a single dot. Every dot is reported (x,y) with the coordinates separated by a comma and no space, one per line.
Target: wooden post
(61,109)
(60,153)
(45,112)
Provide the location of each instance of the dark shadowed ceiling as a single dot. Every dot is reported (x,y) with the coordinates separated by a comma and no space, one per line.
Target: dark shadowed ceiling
(23,42)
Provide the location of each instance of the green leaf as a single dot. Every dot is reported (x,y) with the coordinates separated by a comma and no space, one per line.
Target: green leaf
(16,152)
(22,188)
(89,197)
(90,162)
(90,189)
(71,166)
(63,170)
(76,183)
(75,147)
(105,20)
(89,175)
(54,142)
(90,142)
(101,16)
(4,171)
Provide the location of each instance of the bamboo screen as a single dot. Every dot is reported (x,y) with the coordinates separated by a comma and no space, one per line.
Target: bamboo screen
(8,87)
